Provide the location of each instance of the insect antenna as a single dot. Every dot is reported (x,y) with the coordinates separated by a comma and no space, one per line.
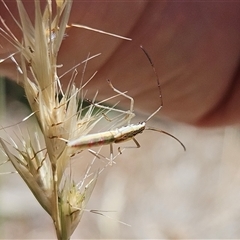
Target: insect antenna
(161,102)
(170,135)
(158,84)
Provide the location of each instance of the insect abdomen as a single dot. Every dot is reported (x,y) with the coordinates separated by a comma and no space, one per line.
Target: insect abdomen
(91,140)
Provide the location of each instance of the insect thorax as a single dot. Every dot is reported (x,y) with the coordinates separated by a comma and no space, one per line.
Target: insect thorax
(128,132)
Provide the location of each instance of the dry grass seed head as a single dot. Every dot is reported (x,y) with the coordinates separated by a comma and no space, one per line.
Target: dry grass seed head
(58,117)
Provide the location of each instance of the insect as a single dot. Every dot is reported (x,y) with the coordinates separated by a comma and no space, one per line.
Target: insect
(124,133)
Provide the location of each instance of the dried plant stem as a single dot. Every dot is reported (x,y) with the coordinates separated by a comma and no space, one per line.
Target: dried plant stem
(61,116)
(56,212)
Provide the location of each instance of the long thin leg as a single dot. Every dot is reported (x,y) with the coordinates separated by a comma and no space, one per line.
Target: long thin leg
(135,141)
(111,154)
(130,111)
(128,115)
(99,156)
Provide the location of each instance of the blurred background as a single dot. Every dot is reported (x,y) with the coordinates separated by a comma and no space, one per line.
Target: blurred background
(158,189)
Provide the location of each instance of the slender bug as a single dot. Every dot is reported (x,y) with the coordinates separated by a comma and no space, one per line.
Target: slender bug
(124,133)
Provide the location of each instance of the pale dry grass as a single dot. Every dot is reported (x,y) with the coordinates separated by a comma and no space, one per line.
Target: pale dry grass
(161,191)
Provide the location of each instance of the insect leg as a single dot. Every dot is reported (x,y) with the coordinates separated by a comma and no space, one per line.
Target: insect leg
(127,115)
(136,146)
(95,154)
(136,142)
(100,156)
(129,112)
(116,120)
(111,154)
